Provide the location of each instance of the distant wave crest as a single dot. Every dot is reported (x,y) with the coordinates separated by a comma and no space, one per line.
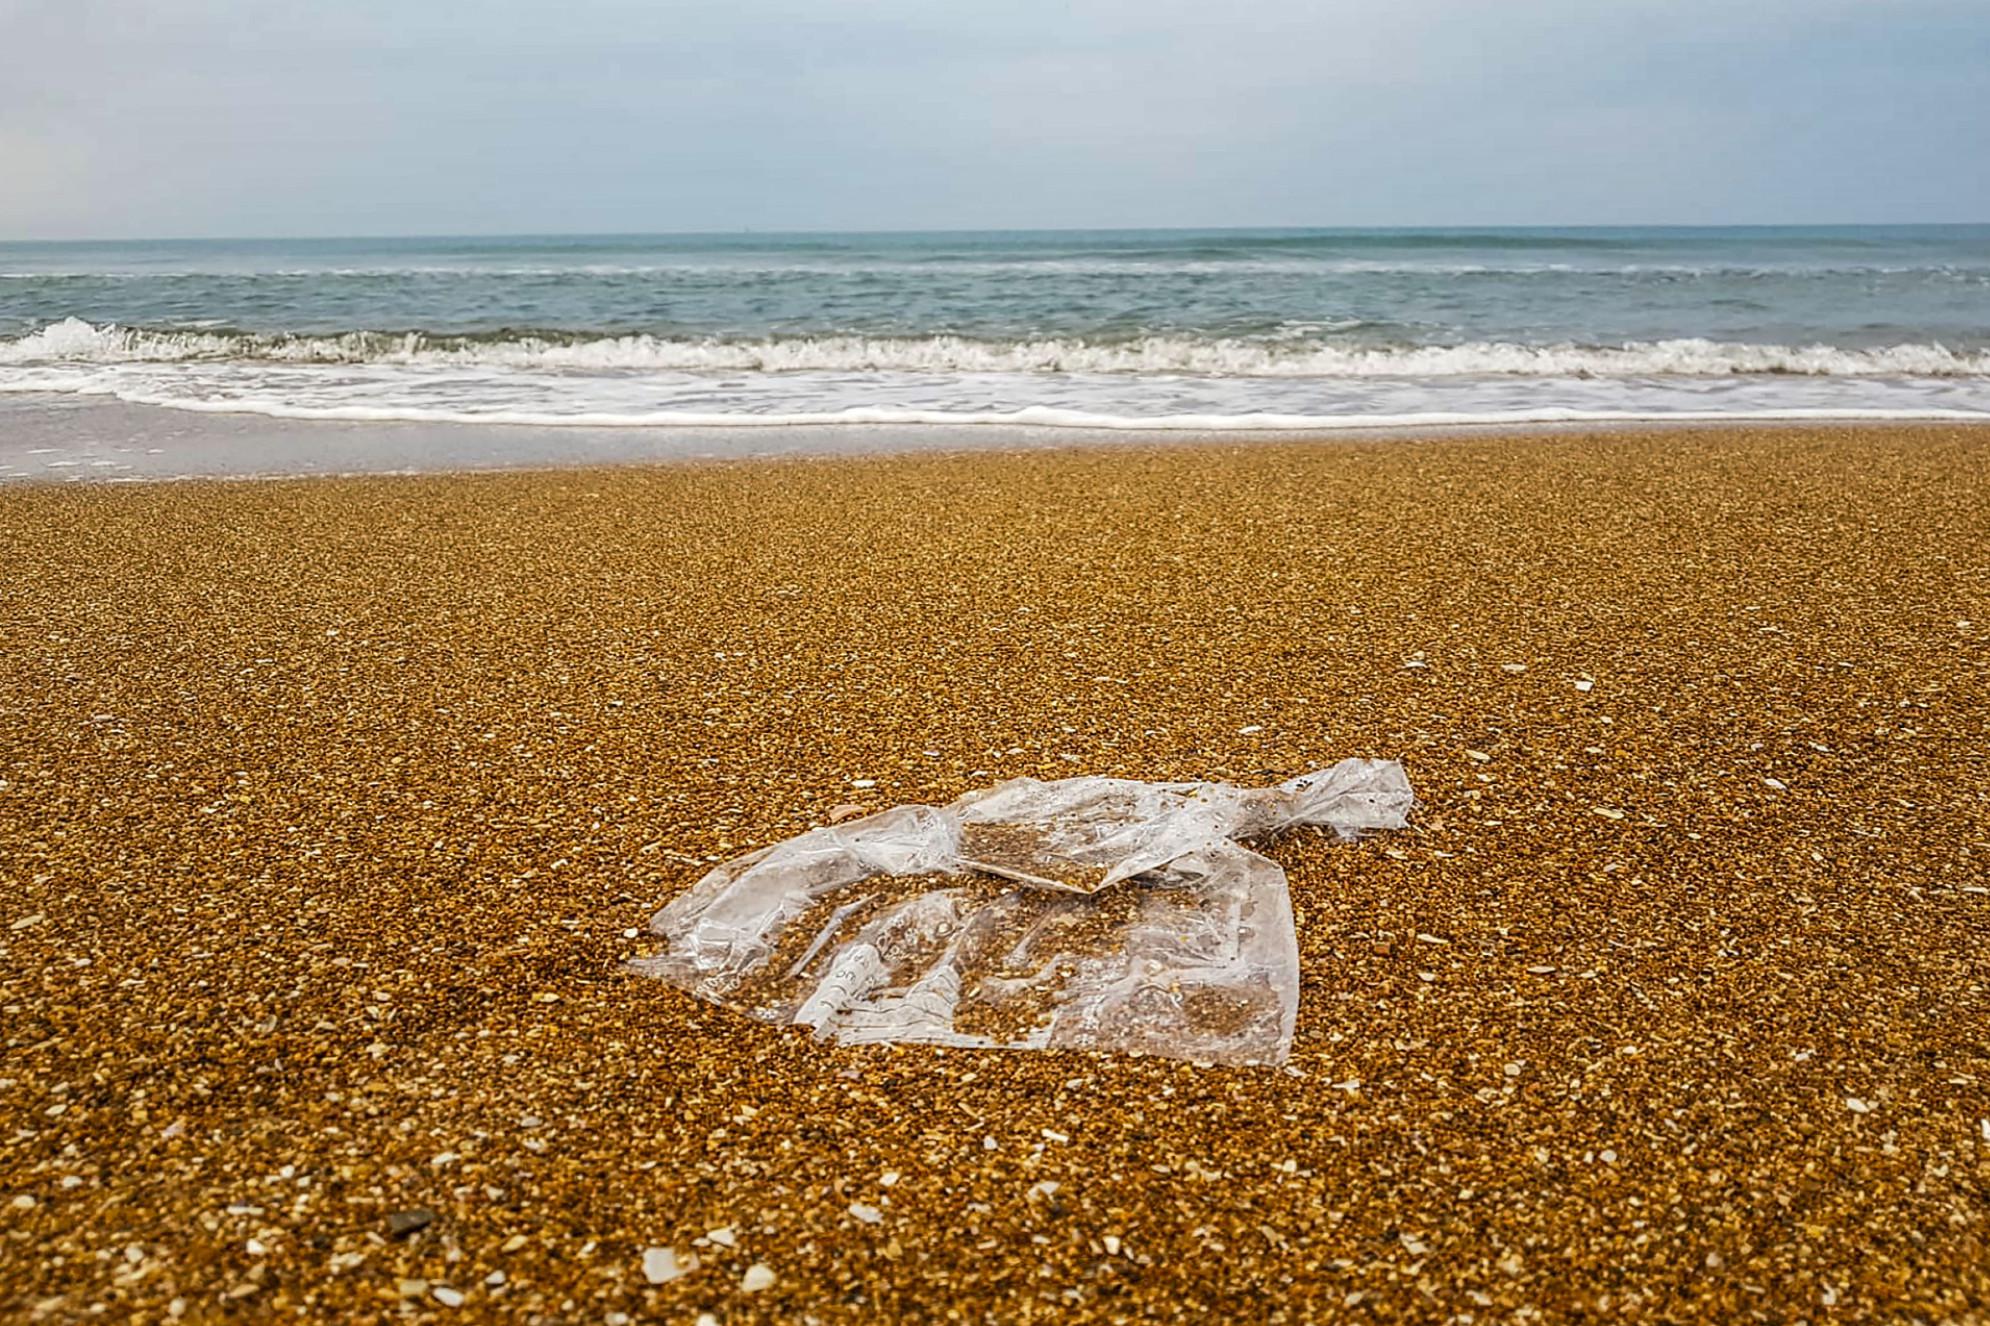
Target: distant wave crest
(73,341)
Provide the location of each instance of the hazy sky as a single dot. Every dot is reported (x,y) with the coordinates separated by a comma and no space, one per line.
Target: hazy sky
(281,117)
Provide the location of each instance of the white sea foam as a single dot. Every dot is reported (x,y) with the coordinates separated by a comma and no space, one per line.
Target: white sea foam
(73,341)
(1302,380)
(1038,416)
(457,395)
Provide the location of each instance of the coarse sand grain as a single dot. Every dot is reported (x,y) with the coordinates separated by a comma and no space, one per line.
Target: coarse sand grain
(330,810)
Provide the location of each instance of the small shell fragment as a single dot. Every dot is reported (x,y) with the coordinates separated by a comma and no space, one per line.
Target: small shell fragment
(660,1265)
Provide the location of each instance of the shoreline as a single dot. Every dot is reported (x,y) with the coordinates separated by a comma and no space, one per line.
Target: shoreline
(52,439)
(335,812)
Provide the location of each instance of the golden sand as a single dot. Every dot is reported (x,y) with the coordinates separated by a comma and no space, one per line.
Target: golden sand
(329,806)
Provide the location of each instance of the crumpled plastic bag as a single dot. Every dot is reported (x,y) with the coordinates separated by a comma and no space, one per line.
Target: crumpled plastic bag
(1088,913)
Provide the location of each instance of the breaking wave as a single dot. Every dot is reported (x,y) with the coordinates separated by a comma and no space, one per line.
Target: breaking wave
(73,341)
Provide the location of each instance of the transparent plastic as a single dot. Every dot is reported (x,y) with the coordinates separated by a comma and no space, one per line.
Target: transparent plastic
(1088,913)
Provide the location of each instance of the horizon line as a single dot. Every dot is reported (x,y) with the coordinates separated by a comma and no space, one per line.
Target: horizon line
(708,233)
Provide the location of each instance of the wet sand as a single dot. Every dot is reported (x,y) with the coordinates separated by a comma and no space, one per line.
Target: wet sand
(327,810)
(67,440)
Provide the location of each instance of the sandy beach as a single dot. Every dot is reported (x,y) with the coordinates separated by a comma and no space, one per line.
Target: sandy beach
(331,809)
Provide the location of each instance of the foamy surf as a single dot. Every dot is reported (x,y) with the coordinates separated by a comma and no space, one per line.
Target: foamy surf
(74,341)
(390,394)
(1043,417)
(1170,331)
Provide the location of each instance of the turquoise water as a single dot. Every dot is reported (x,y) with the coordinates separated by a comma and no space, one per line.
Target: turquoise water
(1204,329)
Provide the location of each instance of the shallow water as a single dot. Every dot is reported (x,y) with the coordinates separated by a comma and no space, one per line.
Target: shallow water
(1206,330)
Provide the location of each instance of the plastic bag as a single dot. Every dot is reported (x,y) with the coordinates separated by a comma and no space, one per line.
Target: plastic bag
(1087,913)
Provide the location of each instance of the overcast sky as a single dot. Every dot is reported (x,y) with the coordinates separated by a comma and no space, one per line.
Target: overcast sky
(282,117)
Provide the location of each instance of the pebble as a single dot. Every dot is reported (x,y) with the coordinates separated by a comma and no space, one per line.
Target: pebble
(660,1265)
(870,1215)
(757,1278)
(449,1298)
(400,1224)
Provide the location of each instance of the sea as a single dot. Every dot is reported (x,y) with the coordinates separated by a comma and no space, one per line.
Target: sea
(1204,330)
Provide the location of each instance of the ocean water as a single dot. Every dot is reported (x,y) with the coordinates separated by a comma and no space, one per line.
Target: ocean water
(1135,329)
